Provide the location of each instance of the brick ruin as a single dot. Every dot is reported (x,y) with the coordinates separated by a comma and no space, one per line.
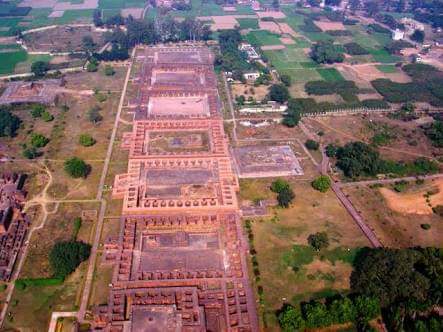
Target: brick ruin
(180,259)
(13,222)
(41,92)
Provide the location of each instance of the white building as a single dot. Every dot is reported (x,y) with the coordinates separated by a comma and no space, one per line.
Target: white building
(398,34)
(251,76)
(250,51)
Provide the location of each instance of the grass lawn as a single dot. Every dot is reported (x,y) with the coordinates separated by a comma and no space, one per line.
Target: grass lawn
(263,37)
(290,271)
(9,60)
(330,74)
(387,69)
(248,23)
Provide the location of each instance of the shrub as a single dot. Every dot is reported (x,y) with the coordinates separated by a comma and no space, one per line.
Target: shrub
(312,145)
(76,167)
(30,153)
(47,117)
(425,226)
(66,256)
(291,319)
(331,150)
(418,36)
(355,49)
(279,185)
(285,197)
(318,240)
(37,110)
(438,210)
(86,140)
(109,71)
(38,140)
(400,186)
(322,183)
(77,225)
(435,133)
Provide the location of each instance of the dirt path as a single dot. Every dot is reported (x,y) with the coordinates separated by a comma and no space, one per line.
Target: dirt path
(99,225)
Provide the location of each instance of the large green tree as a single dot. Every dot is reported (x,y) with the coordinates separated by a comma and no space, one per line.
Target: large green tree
(9,123)
(76,167)
(66,256)
(326,52)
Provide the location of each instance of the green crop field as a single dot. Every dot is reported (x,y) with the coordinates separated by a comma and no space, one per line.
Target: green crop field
(8,61)
(119,4)
(387,69)
(248,23)
(263,37)
(383,56)
(330,74)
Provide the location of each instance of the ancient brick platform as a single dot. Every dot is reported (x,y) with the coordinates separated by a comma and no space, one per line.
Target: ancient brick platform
(14,223)
(258,161)
(180,258)
(42,92)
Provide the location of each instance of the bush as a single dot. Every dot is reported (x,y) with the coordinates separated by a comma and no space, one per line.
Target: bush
(286,80)
(285,197)
(438,210)
(312,145)
(37,110)
(66,256)
(279,93)
(425,226)
(331,150)
(30,153)
(9,123)
(318,240)
(109,71)
(291,319)
(418,36)
(355,49)
(38,140)
(47,117)
(86,140)
(92,67)
(435,133)
(322,183)
(279,185)
(76,167)
(77,225)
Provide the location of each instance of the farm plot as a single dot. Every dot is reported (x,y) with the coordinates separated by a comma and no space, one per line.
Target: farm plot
(263,37)
(330,74)
(248,23)
(293,61)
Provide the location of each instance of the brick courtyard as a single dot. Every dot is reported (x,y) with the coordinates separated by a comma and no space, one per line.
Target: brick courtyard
(180,258)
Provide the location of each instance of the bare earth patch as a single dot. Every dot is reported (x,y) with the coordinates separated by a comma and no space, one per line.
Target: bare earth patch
(273,14)
(328,25)
(225,22)
(414,202)
(286,28)
(229,9)
(287,41)
(273,47)
(270,26)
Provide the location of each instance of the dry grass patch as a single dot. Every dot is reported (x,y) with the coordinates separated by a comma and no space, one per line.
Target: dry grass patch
(328,25)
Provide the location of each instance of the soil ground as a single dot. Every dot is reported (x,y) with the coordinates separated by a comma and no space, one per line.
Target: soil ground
(396,229)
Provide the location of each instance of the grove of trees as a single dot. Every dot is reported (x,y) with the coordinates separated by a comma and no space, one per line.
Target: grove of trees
(64,257)
(76,167)
(9,123)
(326,52)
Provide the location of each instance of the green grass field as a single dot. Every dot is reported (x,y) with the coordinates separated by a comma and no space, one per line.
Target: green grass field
(248,23)
(389,69)
(330,74)
(263,37)
(119,4)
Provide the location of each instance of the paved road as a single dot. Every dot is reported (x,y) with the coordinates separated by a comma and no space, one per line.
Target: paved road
(93,256)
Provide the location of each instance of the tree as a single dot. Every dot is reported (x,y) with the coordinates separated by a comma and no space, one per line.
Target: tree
(97,18)
(399,275)
(66,256)
(109,70)
(30,153)
(331,150)
(37,110)
(88,44)
(9,123)
(418,36)
(47,117)
(291,319)
(94,115)
(92,65)
(279,185)
(326,52)
(86,140)
(285,197)
(286,79)
(39,68)
(312,145)
(279,93)
(366,308)
(76,167)
(322,183)
(38,140)
(318,240)
(357,158)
